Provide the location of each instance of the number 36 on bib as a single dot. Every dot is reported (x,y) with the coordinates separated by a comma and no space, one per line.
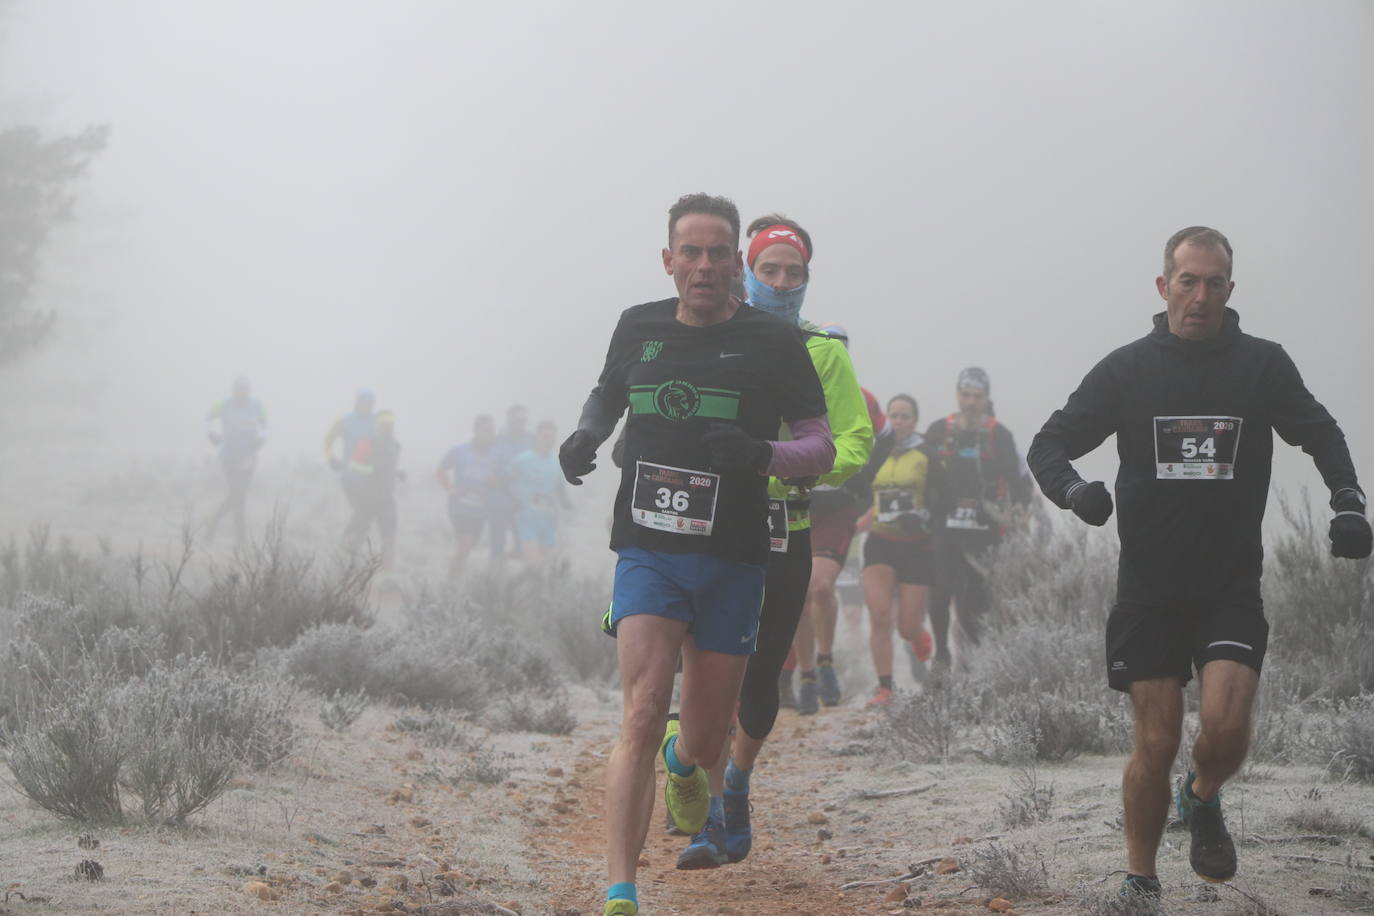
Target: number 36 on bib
(677,500)
(1196,448)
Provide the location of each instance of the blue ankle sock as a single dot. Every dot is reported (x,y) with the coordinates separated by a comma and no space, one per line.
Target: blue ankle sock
(676,766)
(736,780)
(625,890)
(717,812)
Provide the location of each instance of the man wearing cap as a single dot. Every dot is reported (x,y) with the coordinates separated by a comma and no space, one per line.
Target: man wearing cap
(1194,406)
(975,480)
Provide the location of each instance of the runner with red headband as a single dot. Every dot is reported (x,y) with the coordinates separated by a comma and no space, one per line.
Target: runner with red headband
(776,275)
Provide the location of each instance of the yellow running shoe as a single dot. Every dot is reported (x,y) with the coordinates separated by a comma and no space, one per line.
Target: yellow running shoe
(621,908)
(688,797)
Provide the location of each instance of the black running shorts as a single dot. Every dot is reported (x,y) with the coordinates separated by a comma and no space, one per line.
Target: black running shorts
(913,561)
(1149,641)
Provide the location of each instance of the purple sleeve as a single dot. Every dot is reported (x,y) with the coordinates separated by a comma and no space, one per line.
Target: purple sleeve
(809,453)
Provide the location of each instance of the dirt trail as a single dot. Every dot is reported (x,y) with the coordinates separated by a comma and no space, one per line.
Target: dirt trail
(800,857)
(416,837)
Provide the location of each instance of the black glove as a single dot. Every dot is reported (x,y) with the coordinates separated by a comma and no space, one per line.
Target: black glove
(731,448)
(801,483)
(1351,537)
(1092,503)
(577,456)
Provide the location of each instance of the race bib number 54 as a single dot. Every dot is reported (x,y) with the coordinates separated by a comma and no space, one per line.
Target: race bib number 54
(1196,448)
(674,499)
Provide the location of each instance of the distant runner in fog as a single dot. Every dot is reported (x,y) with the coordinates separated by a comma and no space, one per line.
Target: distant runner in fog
(470,473)
(238,426)
(976,479)
(513,439)
(898,558)
(540,492)
(1194,406)
(341,443)
(708,382)
(375,471)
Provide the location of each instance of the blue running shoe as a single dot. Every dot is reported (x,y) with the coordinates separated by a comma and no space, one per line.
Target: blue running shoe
(707,849)
(739,835)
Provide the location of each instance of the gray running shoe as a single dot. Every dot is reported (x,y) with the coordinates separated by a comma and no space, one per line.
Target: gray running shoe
(807,698)
(786,698)
(828,685)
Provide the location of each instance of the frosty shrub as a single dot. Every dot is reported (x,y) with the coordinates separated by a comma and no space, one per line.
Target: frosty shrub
(50,646)
(437,729)
(1009,871)
(340,710)
(1318,608)
(1343,739)
(1040,725)
(267,595)
(556,610)
(172,738)
(432,660)
(924,726)
(521,713)
(67,758)
(42,567)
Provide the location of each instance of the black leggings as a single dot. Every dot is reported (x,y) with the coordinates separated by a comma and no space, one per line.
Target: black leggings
(957,579)
(784,597)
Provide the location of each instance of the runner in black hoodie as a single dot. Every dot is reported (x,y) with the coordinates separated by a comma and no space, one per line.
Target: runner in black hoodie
(1194,406)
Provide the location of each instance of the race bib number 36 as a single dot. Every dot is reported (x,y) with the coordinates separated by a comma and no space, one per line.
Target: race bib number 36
(1196,448)
(674,499)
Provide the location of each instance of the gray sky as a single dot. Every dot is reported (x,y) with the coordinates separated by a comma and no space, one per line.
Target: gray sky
(451,202)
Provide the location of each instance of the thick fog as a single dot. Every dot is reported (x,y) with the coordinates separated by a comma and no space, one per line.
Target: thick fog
(450,203)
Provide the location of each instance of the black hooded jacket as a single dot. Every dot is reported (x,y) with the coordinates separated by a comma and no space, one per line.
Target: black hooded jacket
(1189,519)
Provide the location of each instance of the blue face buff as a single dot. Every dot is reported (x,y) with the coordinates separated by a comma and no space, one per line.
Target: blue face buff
(785,304)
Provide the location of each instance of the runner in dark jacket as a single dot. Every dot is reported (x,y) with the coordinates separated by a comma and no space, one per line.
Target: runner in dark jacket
(975,480)
(1193,406)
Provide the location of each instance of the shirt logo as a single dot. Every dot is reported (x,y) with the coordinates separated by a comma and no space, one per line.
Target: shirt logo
(651,350)
(677,400)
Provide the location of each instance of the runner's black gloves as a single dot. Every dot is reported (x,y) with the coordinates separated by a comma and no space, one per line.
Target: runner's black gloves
(577,456)
(1091,502)
(1351,537)
(731,448)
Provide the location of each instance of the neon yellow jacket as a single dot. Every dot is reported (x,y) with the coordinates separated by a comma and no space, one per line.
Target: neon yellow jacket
(850,425)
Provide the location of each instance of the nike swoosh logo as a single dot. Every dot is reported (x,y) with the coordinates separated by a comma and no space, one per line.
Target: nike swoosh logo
(724,355)
(746,639)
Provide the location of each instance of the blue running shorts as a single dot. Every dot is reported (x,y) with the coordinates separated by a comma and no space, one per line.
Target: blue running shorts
(720,600)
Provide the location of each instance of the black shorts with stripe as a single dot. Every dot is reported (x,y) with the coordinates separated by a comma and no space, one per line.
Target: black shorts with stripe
(1146,641)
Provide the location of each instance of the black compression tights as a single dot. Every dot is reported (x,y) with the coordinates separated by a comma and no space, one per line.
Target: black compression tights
(957,580)
(789,574)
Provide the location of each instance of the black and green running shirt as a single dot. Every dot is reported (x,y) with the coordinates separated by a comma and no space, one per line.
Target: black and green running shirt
(677,380)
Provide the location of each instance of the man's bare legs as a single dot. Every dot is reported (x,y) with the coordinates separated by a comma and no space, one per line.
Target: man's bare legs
(648,647)
(1158,708)
(1227,694)
(816,629)
(1227,690)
